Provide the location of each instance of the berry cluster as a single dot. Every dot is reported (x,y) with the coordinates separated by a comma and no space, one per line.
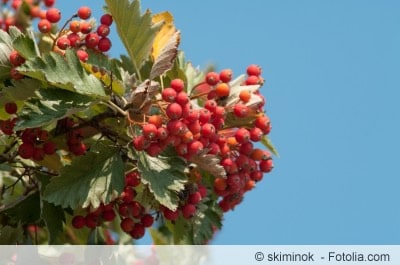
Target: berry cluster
(79,34)
(194,129)
(134,218)
(36,144)
(35,141)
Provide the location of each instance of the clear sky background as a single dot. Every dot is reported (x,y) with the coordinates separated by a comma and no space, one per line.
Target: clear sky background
(332,71)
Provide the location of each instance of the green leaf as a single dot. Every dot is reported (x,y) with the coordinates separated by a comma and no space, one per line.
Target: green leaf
(89,180)
(268,144)
(54,218)
(193,75)
(5,50)
(63,72)
(136,31)
(164,175)
(25,46)
(53,105)
(207,218)
(18,212)
(11,235)
(18,91)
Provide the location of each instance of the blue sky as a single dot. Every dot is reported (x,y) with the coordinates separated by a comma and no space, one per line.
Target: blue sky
(332,89)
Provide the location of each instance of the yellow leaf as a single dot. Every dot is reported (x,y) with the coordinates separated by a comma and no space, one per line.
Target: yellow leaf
(105,77)
(166,32)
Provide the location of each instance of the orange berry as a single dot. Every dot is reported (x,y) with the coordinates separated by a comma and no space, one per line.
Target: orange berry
(156,120)
(259,154)
(245,95)
(231,141)
(220,184)
(222,90)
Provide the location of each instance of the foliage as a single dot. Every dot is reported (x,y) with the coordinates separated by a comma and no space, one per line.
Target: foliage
(91,144)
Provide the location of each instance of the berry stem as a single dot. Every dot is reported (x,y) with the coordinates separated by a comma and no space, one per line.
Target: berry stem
(60,32)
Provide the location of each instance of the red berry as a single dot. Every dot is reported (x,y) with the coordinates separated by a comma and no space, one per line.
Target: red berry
(256,176)
(49,148)
(7,126)
(182,98)
(177,84)
(44,26)
(246,148)
(78,149)
(106,19)
(219,112)
(74,39)
(92,40)
(132,179)
(207,130)
(63,43)
(188,211)
(128,194)
(127,225)
(266,165)
(195,198)
(108,215)
(123,209)
(154,149)
(262,122)
(211,105)
(242,135)
(169,94)
(202,190)
(225,75)
(149,131)
(240,110)
(26,150)
(195,147)
(192,115)
(253,80)
(104,44)
(91,220)
(195,127)
(11,107)
(205,116)
(78,221)
(49,3)
(53,15)
(82,55)
(162,133)
(147,220)
(15,74)
(84,12)
(176,127)
(140,143)
(16,59)
(170,215)
(38,154)
(138,231)
(181,149)
(256,134)
(136,209)
(253,69)
(174,111)
(212,78)
(103,30)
